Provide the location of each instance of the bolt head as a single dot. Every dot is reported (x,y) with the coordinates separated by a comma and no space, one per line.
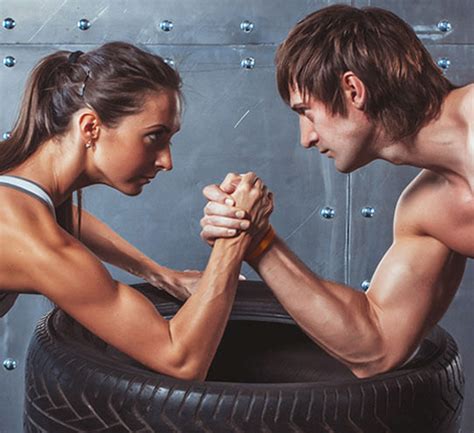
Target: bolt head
(246,26)
(9,364)
(445,26)
(444,63)
(368,211)
(169,61)
(328,213)
(9,61)
(166,25)
(9,23)
(247,63)
(84,24)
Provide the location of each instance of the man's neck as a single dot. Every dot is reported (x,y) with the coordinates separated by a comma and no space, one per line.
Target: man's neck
(442,146)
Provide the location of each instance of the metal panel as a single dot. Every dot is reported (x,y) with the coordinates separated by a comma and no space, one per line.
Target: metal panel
(424,16)
(205,22)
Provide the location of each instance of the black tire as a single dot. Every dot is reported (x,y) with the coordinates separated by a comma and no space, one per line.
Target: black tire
(267,377)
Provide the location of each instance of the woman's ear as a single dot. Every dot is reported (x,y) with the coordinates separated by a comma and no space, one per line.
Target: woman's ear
(89,124)
(354,90)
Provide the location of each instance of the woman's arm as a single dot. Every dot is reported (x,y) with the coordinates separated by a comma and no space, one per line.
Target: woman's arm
(64,270)
(110,247)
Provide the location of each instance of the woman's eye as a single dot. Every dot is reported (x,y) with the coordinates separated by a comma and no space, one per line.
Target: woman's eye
(155,136)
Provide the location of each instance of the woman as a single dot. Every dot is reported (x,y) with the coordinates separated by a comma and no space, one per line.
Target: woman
(107,116)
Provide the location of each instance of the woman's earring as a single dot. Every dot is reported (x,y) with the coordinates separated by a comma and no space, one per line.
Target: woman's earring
(89,144)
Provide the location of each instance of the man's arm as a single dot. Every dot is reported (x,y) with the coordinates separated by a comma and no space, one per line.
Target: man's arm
(375,331)
(110,247)
(378,330)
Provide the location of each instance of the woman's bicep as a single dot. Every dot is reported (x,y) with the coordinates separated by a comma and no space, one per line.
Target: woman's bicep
(76,281)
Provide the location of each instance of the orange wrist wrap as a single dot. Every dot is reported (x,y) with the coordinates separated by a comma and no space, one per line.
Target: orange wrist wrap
(263,245)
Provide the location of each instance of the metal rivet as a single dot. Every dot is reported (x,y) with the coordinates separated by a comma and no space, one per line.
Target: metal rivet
(6,135)
(169,61)
(328,213)
(365,284)
(247,63)
(84,24)
(444,63)
(368,211)
(9,61)
(166,25)
(9,364)
(246,26)
(444,26)
(9,23)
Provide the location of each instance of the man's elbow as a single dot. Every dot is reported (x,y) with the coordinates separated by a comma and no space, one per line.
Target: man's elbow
(369,370)
(383,362)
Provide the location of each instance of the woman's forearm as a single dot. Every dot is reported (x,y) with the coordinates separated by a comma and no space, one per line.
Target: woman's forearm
(205,314)
(110,247)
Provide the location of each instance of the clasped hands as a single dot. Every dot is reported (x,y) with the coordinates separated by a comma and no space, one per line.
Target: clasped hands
(239,203)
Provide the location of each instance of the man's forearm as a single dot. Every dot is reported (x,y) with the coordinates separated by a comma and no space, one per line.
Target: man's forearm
(337,317)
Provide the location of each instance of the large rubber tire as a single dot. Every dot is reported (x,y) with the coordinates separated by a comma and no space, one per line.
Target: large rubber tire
(267,377)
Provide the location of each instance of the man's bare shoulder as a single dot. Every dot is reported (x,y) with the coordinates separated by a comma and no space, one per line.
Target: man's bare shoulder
(431,206)
(466,102)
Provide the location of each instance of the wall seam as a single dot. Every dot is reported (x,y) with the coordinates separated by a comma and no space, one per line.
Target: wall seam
(348,242)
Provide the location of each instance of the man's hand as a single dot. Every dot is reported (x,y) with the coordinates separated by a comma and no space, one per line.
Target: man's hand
(225,217)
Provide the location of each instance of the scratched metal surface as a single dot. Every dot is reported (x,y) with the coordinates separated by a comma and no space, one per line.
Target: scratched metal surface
(205,22)
(234,120)
(424,15)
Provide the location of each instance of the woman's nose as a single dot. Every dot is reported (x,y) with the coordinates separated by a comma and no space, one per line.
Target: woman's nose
(164,161)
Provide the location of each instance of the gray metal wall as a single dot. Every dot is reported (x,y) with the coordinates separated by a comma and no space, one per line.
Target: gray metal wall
(234,121)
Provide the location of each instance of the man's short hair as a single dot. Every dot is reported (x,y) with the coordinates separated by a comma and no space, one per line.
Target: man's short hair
(405,88)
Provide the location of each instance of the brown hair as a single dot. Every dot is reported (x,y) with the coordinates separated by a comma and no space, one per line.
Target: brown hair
(111,79)
(405,88)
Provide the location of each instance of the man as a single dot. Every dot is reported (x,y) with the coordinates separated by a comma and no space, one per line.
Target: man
(365,88)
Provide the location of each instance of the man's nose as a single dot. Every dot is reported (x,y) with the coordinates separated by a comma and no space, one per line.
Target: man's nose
(309,137)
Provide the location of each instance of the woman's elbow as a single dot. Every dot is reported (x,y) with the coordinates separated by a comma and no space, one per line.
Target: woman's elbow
(182,367)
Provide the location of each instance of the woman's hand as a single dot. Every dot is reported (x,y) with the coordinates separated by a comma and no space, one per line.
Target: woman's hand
(180,284)
(228,213)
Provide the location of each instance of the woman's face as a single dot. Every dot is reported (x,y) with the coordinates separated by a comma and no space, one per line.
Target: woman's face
(129,155)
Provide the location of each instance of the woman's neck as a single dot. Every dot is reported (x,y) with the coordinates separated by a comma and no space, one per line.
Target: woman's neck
(60,173)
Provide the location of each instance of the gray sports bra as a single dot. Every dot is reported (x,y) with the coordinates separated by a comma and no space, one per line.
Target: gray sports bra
(7,299)
(28,187)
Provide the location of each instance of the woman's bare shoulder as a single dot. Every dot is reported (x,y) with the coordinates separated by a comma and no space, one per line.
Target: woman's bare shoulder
(27,229)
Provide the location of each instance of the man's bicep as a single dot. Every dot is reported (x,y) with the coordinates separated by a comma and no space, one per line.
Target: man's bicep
(411,289)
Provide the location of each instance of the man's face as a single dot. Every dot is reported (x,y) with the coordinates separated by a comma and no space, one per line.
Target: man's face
(349,140)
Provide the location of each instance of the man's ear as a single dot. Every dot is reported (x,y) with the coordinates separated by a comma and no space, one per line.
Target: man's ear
(89,124)
(354,90)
